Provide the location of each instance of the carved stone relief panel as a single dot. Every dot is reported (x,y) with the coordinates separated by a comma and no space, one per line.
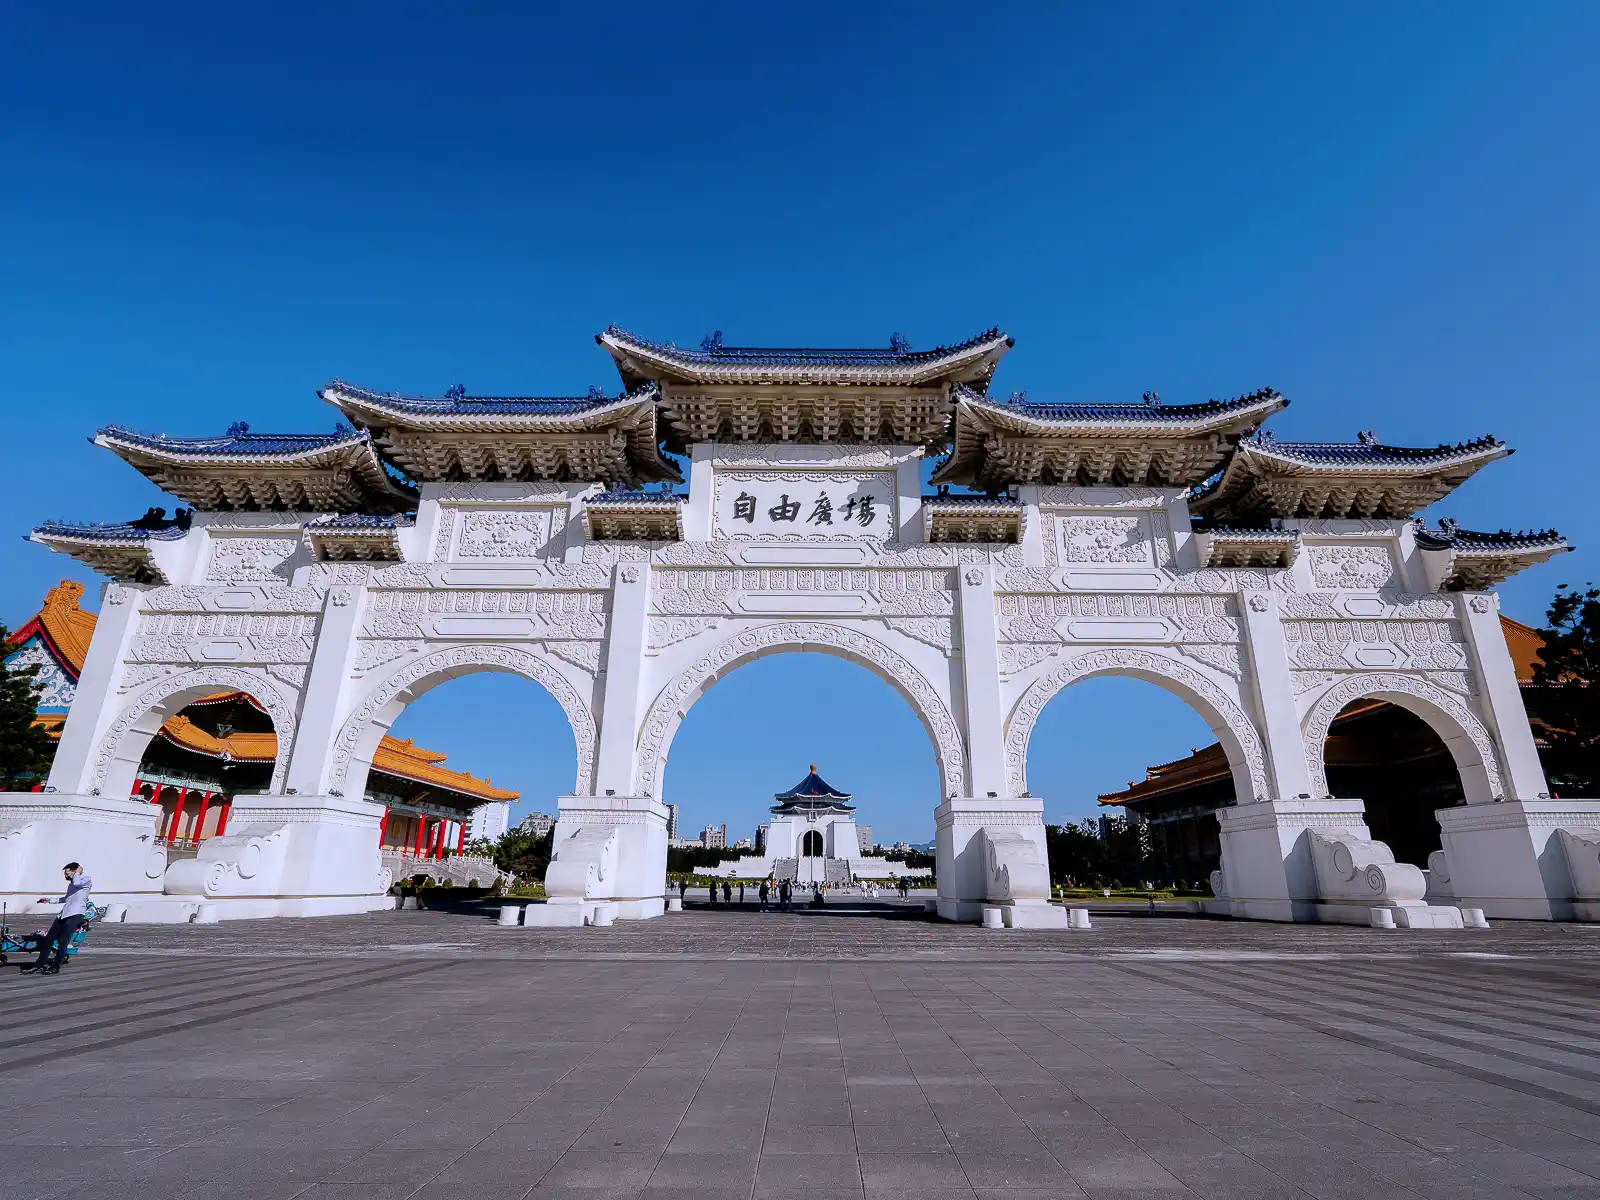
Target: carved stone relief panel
(506,532)
(200,637)
(236,558)
(1360,567)
(1095,616)
(669,631)
(1375,645)
(475,613)
(1105,538)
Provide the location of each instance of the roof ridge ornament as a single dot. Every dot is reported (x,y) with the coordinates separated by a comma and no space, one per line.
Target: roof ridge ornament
(456,391)
(238,429)
(899,344)
(712,341)
(1153,399)
(1367,437)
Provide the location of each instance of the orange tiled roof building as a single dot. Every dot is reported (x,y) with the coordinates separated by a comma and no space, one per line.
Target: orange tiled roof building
(224,744)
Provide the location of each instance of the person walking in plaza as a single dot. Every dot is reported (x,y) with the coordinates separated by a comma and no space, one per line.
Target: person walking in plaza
(727,892)
(74,911)
(761,894)
(741,893)
(711,893)
(784,894)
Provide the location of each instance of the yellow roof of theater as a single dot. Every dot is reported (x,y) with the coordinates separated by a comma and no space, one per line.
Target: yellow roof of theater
(67,629)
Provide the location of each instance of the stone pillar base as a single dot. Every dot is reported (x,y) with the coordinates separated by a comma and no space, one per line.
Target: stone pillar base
(311,855)
(611,849)
(114,840)
(967,879)
(1527,859)
(1267,869)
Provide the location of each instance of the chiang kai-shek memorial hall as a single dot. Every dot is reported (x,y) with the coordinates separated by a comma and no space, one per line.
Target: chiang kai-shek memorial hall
(335,577)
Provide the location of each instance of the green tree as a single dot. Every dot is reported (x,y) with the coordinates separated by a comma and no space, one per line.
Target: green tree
(525,855)
(1566,701)
(25,748)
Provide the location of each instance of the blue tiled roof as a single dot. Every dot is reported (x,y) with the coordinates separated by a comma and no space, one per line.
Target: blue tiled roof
(967,498)
(1368,451)
(489,405)
(1504,539)
(108,531)
(1018,402)
(712,351)
(619,496)
(236,443)
(364,521)
(812,787)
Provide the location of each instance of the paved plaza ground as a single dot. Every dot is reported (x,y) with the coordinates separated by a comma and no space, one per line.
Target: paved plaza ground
(715,1054)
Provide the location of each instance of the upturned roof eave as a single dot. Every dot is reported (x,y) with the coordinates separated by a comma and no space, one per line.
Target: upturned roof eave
(374,409)
(1224,418)
(639,361)
(1282,459)
(356,451)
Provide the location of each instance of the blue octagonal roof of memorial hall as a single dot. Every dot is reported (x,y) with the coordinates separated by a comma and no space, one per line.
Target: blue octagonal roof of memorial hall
(814,788)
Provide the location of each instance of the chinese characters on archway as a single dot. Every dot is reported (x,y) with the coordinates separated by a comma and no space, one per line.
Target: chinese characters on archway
(860,510)
(849,507)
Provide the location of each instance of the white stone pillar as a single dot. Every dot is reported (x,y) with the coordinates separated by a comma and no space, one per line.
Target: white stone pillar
(626,634)
(94,703)
(1500,696)
(1268,870)
(610,849)
(1268,679)
(980,683)
(908,497)
(1510,860)
(322,699)
(699,514)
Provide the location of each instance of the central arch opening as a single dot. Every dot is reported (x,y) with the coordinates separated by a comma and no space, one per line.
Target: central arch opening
(802,767)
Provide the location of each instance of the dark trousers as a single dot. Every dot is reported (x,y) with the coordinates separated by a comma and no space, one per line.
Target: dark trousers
(58,939)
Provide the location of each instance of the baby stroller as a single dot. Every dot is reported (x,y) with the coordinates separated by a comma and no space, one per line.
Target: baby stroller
(28,943)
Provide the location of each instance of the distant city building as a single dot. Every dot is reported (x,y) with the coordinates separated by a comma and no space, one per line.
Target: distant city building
(745,844)
(490,821)
(672,823)
(537,823)
(715,837)
(901,847)
(864,833)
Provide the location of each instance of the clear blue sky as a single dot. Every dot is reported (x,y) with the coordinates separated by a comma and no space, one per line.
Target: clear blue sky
(1385,211)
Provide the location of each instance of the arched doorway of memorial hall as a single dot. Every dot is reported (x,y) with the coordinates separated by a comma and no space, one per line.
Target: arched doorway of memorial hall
(1398,765)
(805,767)
(460,759)
(199,758)
(1131,773)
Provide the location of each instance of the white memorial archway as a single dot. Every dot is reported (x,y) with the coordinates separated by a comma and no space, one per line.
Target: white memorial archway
(335,577)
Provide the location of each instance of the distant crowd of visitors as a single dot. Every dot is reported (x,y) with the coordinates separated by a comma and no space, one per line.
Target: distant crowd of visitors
(778,894)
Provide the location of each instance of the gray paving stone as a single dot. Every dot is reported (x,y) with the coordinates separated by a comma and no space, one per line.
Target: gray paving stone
(844,1059)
